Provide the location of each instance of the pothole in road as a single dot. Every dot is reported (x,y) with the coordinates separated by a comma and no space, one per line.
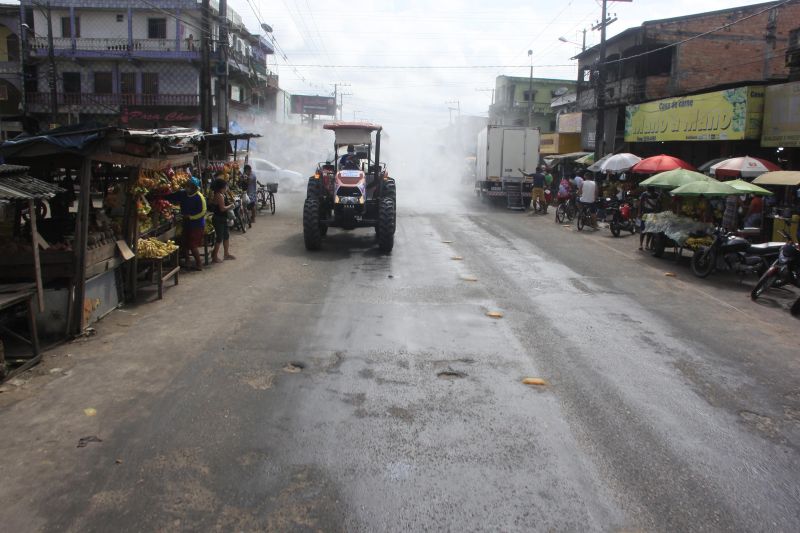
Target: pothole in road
(294,367)
(449,373)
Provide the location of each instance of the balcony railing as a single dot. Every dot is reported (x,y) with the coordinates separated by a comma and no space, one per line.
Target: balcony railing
(114,46)
(114,100)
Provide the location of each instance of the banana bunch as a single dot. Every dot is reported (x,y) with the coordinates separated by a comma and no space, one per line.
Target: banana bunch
(152,248)
(697,242)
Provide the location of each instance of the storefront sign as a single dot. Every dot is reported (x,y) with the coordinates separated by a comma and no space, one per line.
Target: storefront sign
(782,115)
(313,105)
(733,114)
(559,143)
(149,117)
(570,122)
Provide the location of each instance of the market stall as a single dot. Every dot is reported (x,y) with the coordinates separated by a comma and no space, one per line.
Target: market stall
(96,223)
(784,214)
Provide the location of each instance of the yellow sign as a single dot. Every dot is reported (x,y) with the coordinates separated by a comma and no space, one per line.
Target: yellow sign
(733,114)
(782,115)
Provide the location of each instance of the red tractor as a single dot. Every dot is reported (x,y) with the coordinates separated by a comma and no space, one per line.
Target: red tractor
(353,191)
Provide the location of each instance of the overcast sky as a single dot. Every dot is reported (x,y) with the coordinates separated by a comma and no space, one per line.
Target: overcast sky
(438,35)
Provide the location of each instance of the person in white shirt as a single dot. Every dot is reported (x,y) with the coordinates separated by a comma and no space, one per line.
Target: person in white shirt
(588,196)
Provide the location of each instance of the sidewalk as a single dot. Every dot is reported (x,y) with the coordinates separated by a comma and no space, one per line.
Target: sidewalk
(90,386)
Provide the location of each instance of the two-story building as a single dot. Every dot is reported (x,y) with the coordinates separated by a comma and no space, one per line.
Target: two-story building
(737,50)
(515,97)
(136,63)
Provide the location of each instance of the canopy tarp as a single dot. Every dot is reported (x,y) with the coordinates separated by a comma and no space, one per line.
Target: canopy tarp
(780,177)
(674,178)
(748,188)
(705,188)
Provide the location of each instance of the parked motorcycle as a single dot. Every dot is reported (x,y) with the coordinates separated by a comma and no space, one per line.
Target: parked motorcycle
(621,218)
(731,252)
(784,271)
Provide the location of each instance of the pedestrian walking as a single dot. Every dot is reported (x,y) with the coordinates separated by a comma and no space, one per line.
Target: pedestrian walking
(220,219)
(537,193)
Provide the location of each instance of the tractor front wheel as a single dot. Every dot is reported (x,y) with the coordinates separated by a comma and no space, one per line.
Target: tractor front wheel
(386,225)
(312,233)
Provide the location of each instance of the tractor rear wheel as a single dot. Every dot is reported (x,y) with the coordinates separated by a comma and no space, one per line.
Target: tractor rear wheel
(386,225)
(311,226)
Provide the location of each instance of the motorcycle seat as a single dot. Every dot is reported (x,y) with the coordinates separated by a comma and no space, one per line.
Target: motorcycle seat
(765,248)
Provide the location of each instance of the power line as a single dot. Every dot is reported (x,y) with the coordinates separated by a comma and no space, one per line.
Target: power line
(431,67)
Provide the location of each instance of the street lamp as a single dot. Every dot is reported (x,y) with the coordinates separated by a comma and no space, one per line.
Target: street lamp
(530,89)
(583,46)
(266,27)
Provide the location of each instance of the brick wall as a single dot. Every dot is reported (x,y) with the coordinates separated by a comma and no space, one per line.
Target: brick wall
(751,50)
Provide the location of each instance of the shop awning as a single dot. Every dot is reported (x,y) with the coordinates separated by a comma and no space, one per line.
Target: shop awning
(15,184)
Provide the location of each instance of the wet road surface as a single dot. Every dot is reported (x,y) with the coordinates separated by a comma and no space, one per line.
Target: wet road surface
(350,391)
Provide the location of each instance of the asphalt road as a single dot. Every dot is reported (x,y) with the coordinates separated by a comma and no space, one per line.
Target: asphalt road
(671,403)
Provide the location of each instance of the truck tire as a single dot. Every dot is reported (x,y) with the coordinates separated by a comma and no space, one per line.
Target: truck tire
(311,226)
(387,217)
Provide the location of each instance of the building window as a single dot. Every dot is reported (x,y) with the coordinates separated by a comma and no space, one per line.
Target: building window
(120,17)
(72,87)
(526,96)
(156,28)
(149,83)
(103,83)
(127,87)
(66,27)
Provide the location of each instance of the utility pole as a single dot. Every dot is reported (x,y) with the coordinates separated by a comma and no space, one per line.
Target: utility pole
(205,68)
(530,89)
(222,73)
(451,109)
(600,86)
(583,43)
(339,97)
(51,58)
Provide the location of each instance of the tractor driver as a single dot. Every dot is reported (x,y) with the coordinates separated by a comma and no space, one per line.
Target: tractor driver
(350,160)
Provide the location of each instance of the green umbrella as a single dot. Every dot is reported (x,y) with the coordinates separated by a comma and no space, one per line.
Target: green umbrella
(748,188)
(585,160)
(705,188)
(674,178)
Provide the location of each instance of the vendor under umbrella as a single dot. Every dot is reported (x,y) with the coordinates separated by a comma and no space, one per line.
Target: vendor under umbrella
(193,210)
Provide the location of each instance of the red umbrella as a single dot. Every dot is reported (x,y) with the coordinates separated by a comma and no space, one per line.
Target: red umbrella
(747,167)
(660,163)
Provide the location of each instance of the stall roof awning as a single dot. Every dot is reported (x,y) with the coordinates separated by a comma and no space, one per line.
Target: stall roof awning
(84,139)
(15,184)
(229,136)
(573,155)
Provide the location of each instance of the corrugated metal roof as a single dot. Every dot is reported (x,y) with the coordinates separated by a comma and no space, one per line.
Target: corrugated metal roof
(23,187)
(6,170)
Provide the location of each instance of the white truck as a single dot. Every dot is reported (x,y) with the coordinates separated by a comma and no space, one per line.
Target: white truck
(502,152)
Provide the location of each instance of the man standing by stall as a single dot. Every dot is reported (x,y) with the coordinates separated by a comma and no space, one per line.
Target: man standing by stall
(193,211)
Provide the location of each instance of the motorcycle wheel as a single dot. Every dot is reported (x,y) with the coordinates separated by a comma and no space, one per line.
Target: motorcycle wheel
(580,222)
(766,281)
(614,227)
(795,309)
(703,261)
(631,227)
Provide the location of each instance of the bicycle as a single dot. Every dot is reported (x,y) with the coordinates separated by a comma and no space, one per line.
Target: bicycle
(566,210)
(265,196)
(585,217)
